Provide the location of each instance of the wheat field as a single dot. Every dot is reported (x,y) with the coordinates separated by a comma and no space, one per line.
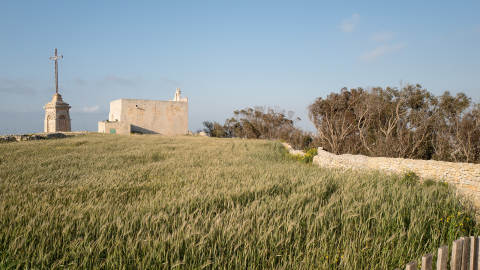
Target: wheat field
(102,201)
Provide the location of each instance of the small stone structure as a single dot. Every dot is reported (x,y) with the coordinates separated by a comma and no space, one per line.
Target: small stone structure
(57,115)
(114,127)
(147,116)
(178,96)
(465,176)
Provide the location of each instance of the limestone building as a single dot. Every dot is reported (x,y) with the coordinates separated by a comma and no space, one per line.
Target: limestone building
(147,116)
(57,115)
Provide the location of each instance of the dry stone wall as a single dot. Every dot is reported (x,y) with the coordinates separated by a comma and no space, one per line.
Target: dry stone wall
(291,150)
(37,136)
(465,176)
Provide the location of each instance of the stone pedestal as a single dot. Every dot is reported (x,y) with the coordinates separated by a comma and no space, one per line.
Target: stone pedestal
(57,115)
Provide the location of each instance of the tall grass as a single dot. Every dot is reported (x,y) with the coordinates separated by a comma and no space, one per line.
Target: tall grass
(154,202)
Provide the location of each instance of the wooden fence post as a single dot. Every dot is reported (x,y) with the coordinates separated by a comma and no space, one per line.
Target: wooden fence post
(465,256)
(474,253)
(411,265)
(457,252)
(427,261)
(465,252)
(442,258)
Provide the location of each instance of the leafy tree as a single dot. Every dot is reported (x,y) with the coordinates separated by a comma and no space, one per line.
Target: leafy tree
(262,123)
(405,122)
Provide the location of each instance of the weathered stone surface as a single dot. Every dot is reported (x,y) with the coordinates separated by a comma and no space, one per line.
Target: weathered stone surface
(56,136)
(19,137)
(293,151)
(465,176)
(35,137)
(115,127)
(201,133)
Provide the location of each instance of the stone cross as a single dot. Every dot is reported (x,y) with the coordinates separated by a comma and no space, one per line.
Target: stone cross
(56,69)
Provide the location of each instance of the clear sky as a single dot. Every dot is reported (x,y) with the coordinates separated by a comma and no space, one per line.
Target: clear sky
(226,55)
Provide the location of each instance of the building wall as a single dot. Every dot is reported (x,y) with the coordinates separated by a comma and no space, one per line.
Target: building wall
(115,110)
(120,128)
(465,176)
(153,116)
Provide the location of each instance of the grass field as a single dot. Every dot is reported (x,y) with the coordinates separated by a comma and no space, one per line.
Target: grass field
(102,201)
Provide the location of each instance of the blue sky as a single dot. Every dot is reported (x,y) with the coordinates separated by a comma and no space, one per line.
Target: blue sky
(226,55)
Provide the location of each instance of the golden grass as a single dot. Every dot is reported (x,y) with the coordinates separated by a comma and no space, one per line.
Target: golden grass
(103,201)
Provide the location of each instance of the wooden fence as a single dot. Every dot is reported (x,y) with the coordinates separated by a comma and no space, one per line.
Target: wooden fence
(464,256)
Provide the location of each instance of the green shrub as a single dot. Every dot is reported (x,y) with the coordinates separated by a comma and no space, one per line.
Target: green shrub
(429,183)
(409,178)
(310,154)
(306,158)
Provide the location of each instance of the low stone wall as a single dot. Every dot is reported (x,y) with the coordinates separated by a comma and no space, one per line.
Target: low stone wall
(465,176)
(37,136)
(114,127)
(291,150)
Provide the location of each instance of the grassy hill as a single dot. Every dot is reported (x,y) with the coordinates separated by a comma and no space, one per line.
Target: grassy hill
(104,201)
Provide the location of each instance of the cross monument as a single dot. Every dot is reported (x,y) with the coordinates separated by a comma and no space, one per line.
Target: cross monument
(57,115)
